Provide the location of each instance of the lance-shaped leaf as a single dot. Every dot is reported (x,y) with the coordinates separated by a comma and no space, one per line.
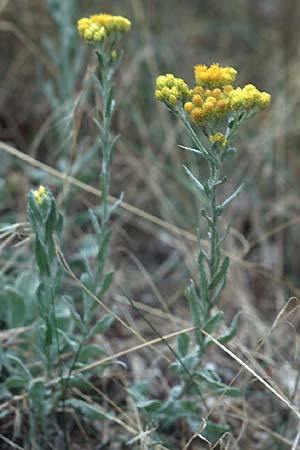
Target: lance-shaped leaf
(194,304)
(51,219)
(183,341)
(107,280)
(196,309)
(221,274)
(213,322)
(90,411)
(218,388)
(41,257)
(35,217)
(202,278)
(110,104)
(116,203)
(218,292)
(102,325)
(231,332)
(194,150)
(197,183)
(95,224)
(103,247)
(230,198)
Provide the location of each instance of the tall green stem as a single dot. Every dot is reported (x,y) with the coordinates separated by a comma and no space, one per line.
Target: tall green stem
(106,141)
(214,240)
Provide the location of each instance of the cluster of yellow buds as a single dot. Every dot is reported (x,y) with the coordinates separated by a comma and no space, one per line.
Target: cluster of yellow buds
(248,97)
(171,90)
(221,98)
(214,76)
(99,26)
(213,97)
(40,195)
(208,104)
(218,138)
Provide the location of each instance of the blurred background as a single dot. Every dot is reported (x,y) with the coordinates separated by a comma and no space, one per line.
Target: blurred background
(47,99)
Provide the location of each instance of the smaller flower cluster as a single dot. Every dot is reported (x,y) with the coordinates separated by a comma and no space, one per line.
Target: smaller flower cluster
(99,26)
(171,90)
(218,138)
(214,76)
(249,97)
(40,195)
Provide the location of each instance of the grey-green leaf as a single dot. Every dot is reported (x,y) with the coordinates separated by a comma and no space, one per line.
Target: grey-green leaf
(90,411)
(231,332)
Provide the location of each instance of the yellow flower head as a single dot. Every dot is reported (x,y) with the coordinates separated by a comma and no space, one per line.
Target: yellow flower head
(218,138)
(171,90)
(99,26)
(214,76)
(40,195)
(248,97)
(207,105)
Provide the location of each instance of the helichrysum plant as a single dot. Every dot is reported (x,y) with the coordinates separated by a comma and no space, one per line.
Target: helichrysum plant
(102,32)
(211,111)
(66,320)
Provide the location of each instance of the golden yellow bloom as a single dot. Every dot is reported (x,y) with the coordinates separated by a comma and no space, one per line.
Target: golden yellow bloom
(264,100)
(170,89)
(214,76)
(197,115)
(40,195)
(217,92)
(98,27)
(228,88)
(197,100)
(198,90)
(214,104)
(248,97)
(208,106)
(188,107)
(213,99)
(218,138)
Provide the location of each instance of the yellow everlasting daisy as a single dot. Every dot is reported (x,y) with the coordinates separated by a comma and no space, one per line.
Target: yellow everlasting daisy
(97,27)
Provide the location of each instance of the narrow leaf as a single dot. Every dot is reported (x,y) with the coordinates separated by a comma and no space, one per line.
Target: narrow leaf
(102,325)
(221,274)
(231,197)
(183,342)
(108,278)
(90,411)
(226,337)
(41,257)
(213,322)
(50,220)
(197,183)
(202,278)
(194,150)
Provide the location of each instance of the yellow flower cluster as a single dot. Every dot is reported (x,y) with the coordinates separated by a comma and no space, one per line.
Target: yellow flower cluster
(215,104)
(218,138)
(213,97)
(248,97)
(99,26)
(208,104)
(40,195)
(170,89)
(214,76)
